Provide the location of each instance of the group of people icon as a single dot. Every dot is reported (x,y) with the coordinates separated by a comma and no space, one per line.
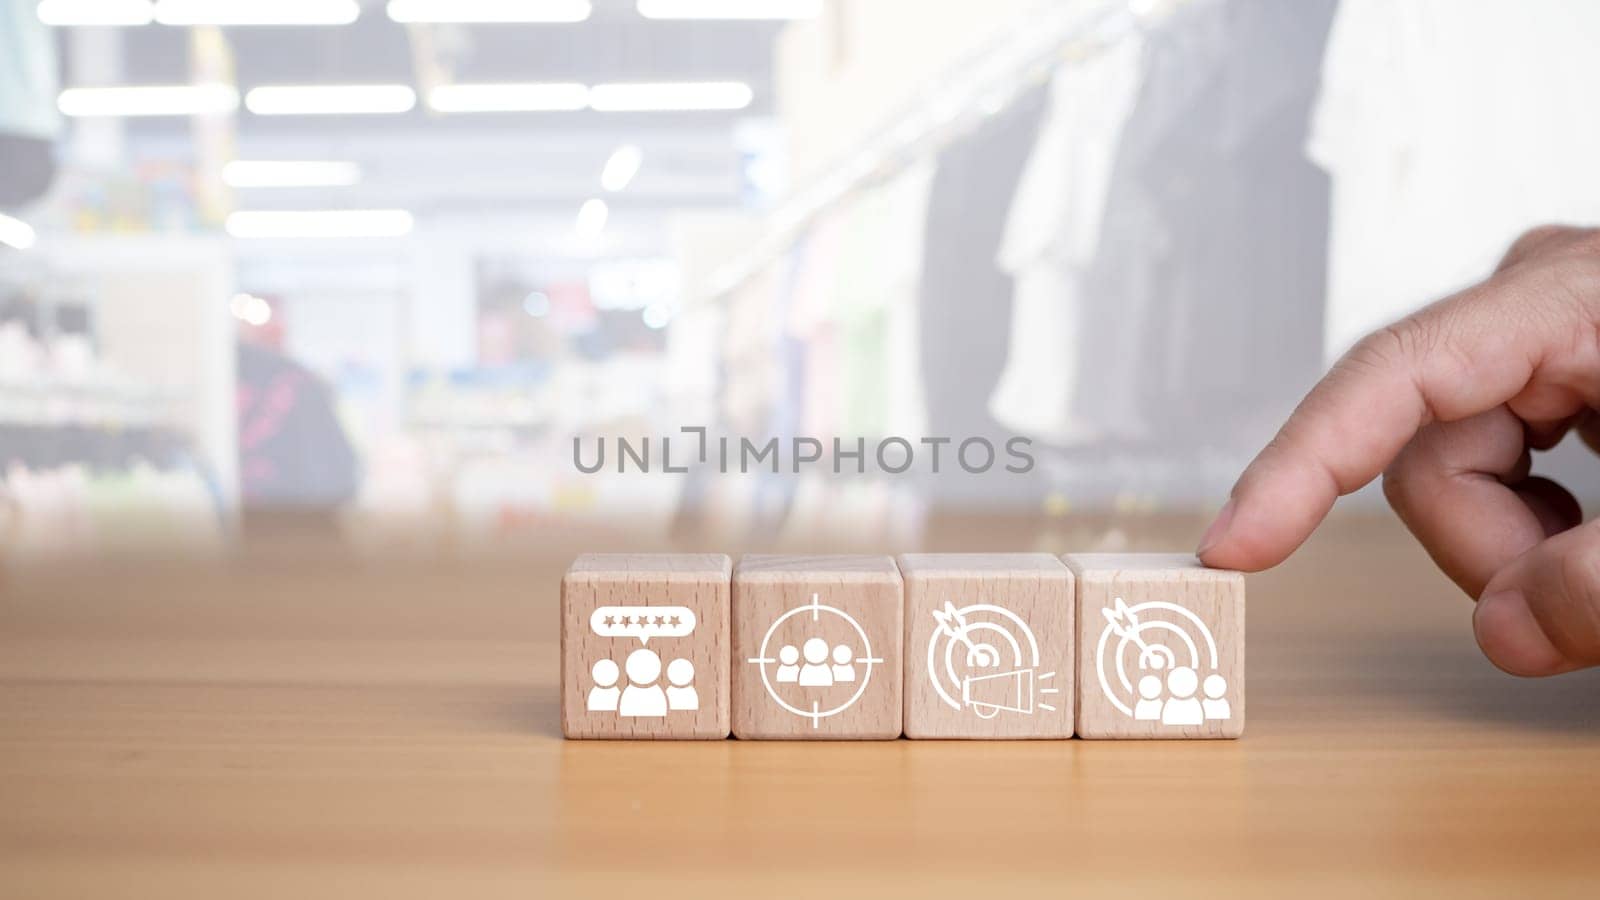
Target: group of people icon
(816,672)
(643,696)
(1181,706)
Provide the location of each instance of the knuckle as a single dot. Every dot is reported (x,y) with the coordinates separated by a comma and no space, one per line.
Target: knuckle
(1390,348)
(1584,239)
(1588,242)
(1536,240)
(1539,234)
(1556,247)
(1586,251)
(1388,345)
(1420,347)
(1568,278)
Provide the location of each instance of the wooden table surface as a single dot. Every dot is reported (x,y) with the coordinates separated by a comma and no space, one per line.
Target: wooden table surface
(281,727)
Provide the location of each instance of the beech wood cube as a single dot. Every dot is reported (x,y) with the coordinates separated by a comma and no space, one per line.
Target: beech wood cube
(816,648)
(644,646)
(989,645)
(1160,647)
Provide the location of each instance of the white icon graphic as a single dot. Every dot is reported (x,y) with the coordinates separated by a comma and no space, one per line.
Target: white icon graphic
(989,662)
(604,695)
(642,622)
(1171,658)
(844,667)
(788,670)
(808,666)
(681,693)
(1216,705)
(644,696)
(1149,706)
(815,673)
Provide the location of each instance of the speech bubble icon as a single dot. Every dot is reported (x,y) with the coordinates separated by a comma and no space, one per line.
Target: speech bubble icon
(642,622)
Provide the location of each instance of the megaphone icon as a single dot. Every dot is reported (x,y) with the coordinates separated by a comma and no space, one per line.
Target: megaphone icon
(989,695)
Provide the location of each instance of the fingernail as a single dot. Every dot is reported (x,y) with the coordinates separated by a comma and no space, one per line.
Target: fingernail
(1512,638)
(1219,527)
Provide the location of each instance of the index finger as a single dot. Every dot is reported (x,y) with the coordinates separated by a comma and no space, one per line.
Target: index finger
(1457,358)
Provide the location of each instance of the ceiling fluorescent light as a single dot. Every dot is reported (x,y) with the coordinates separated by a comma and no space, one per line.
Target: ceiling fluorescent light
(730,9)
(257,12)
(668,96)
(96,12)
(535,97)
(340,223)
(15,233)
(330,99)
(152,100)
(485,11)
(250,173)
(621,168)
(592,218)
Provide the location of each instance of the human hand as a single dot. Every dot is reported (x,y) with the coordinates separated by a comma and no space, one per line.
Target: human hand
(1447,405)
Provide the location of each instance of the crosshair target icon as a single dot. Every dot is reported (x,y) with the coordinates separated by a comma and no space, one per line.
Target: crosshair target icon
(816,609)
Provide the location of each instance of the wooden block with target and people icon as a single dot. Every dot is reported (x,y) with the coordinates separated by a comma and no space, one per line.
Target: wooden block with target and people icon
(816,648)
(1160,647)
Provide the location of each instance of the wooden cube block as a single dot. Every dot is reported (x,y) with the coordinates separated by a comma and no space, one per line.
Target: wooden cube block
(644,646)
(816,648)
(1160,647)
(989,645)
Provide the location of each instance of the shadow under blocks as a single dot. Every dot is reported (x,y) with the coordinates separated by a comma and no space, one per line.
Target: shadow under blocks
(975,646)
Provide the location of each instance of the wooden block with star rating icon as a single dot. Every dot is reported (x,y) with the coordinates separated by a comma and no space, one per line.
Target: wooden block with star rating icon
(989,646)
(644,646)
(816,648)
(1160,647)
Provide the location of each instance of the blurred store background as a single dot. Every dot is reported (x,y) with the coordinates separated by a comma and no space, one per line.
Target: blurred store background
(366,270)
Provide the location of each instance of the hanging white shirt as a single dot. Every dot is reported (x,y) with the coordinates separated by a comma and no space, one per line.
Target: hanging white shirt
(1052,233)
(1449,128)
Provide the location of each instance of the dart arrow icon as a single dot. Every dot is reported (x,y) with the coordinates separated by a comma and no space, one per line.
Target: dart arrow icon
(954,624)
(1126,625)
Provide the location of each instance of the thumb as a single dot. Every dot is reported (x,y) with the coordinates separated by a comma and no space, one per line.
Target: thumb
(1540,615)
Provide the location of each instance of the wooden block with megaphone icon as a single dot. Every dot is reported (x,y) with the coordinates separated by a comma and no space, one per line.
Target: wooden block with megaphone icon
(989,645)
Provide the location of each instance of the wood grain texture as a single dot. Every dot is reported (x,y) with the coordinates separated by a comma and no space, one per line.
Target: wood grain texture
(658,706)
(288,727)
(1185,699)
(1038,589)
(791,615)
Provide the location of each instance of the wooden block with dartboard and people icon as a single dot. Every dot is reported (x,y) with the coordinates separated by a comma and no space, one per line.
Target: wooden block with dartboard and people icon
(1160,647)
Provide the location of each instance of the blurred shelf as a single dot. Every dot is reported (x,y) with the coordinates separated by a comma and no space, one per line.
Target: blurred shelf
(57,402)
